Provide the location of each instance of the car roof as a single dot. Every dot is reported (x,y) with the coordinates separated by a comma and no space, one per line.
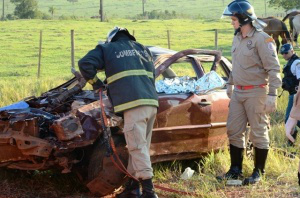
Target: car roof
(158,51)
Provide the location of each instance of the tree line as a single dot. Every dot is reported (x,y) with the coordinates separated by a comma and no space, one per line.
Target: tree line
(28,9)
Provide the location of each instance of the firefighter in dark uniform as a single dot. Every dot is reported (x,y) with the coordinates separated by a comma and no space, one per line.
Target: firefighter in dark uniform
(252,87)
(290,81)
(130,76)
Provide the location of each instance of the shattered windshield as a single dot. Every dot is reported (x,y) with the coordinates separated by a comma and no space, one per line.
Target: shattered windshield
(186,84)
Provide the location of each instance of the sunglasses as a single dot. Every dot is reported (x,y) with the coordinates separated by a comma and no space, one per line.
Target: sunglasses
(284,53)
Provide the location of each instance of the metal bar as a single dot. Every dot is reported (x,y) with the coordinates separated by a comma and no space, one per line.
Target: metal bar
(160,69)
(216,39)
(101,11)
(143,1)
(265,8)
(40,54)
(3,11)
(212,125)
(169,44)
(72,49)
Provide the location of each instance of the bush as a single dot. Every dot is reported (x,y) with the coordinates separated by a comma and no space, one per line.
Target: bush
(41,15)
(154,14)
(46,16)
(63,17)
(11,17)
(26,9)
(72,17)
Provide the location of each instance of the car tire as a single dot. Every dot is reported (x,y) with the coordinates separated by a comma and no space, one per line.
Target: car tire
(103,175)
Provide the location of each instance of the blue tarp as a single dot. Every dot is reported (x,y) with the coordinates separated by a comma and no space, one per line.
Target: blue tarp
(17,105)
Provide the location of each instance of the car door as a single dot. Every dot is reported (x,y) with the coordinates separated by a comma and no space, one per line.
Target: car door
(188,124)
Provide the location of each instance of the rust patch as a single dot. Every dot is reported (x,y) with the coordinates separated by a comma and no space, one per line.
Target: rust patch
(67,128)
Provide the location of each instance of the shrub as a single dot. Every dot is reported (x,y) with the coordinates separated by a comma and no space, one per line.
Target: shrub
(11,17)
(154,14)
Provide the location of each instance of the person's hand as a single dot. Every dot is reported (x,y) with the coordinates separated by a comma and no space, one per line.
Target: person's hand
(102,88)
(229,90)
(270,104)
(97,91)
(289,128)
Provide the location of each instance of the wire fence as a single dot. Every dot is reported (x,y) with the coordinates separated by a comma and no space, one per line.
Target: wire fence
(44,52)
(52,51)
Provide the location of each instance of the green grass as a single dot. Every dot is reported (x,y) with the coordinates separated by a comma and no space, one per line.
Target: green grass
(18,70)
(20,45)
(130,8)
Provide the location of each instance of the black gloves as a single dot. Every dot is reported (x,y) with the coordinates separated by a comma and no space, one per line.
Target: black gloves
(98,84)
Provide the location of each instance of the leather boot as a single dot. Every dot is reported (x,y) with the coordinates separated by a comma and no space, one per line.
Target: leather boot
(148,189)
(260,159)
(132,190)
(236,158)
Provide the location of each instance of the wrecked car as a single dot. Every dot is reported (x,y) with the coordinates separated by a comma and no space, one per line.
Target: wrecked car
(62,128)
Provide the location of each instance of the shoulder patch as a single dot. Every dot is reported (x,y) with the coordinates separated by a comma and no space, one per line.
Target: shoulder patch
(269,40)
(271,46)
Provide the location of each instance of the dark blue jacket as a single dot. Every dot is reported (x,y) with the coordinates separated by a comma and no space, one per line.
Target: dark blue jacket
(289,81)
(129,71)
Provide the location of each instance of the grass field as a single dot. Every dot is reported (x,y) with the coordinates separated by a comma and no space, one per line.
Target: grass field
(18,69)
(20,45)
(130,8)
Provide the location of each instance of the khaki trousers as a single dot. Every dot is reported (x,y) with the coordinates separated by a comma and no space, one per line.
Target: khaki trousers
(245,108)
(138,131)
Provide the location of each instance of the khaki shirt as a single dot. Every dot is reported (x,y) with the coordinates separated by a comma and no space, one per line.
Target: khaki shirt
(255,61)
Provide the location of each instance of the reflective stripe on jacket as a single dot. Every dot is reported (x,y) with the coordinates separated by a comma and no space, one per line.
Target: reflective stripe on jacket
(129,71)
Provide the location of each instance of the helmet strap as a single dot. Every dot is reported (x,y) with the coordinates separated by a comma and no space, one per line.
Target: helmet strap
(237,30)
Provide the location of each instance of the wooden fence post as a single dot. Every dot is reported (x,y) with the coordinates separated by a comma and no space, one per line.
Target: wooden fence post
(72,49)
(216,39)
(40,54)
(169,44)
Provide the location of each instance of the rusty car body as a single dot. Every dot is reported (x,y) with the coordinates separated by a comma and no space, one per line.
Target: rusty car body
(62,127)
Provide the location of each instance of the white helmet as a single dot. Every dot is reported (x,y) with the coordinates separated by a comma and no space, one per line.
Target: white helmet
(111,34)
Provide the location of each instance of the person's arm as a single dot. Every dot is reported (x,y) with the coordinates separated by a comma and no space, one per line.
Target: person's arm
(267,52)
(293,118)
(289,128)
(295,111)
(229,86)
(296,67)
(229,83)
(90,64)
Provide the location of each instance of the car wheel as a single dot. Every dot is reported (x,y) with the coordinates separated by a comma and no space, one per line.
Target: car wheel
(103,176)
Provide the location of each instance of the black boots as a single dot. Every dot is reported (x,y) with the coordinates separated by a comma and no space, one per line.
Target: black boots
(235,171)
(148,189)
(298,178)
(132,190)
(260,157)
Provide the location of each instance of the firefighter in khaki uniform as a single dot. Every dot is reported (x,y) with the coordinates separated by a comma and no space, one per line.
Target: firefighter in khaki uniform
(252,87)
(129,71)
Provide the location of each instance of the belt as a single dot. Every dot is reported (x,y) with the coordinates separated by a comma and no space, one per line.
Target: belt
(249,86)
